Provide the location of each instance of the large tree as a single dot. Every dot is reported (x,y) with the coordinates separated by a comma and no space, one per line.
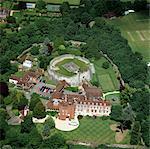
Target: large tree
(56,141)
(4,91)
(135,133)
(27,125)
(116,112)
(39,110)
(40,4)
(35,98)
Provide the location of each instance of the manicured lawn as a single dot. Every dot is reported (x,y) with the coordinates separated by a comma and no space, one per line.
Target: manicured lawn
(62,70)
(114,98)
(72,2)
(106,77)
(135,28)
(92,130)
(65,72)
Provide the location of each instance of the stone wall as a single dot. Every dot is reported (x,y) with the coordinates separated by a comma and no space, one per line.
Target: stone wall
(76,79)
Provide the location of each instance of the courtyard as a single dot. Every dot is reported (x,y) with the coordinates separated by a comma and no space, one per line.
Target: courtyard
(69,67)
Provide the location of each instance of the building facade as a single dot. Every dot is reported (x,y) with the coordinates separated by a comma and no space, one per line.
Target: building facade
(88,103)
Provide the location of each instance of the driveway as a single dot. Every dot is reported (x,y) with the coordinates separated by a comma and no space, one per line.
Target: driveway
(36,89)
(66,125)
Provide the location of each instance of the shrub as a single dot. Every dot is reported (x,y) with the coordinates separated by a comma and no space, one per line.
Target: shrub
(52,113)
(35,50)
(72,89)
(80,117)
(105,65)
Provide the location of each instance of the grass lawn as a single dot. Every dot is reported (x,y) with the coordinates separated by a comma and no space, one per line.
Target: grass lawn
(49,81)
(19,73)
(91,130)
(114,98)
(6,4)
(135,28)
(106,77)
(19,16)
(72,2)
(62,70)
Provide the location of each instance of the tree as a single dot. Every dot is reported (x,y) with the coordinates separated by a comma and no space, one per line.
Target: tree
(95,83)
(116,112)
(3,126)
(11,19)
(40,4)
(58,41)
(27,125)
(35,98)
(64,8)
(39,110)
(140,5)
(105,65)
(85,18)
(20,101)
(140,104)
(126,94)
(56,141)
(138,55)
(146,131)
(35,50)
(48,125)
(35,139)
(4,91)
(100,22)
(135,133)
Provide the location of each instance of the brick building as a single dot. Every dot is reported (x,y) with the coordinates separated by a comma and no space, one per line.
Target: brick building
(70,105)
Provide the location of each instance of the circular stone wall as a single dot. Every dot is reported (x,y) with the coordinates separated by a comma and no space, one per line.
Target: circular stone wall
(73,69)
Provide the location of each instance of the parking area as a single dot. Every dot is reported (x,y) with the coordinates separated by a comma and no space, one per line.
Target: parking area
(43,89)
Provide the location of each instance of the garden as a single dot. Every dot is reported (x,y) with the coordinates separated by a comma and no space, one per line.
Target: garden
(97,130)
(105,77)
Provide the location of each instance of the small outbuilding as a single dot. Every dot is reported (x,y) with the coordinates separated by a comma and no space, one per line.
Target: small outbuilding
(129,11)
(27,64)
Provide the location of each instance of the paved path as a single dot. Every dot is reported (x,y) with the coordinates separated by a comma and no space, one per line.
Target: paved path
(110,93)
(14,120)
(12,11)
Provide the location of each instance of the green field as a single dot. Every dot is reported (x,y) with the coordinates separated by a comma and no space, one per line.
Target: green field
(91,130)
(19,74)
(114,98)
(82,66)
(106,77)
(71,2)
(135,28)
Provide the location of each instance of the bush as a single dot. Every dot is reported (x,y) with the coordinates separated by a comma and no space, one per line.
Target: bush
(16,112)
(52,113)
(35,50)
(39,110)
(105,118)
(105,65)
(80,117)
(8,100)
(72,89)
(95,83)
